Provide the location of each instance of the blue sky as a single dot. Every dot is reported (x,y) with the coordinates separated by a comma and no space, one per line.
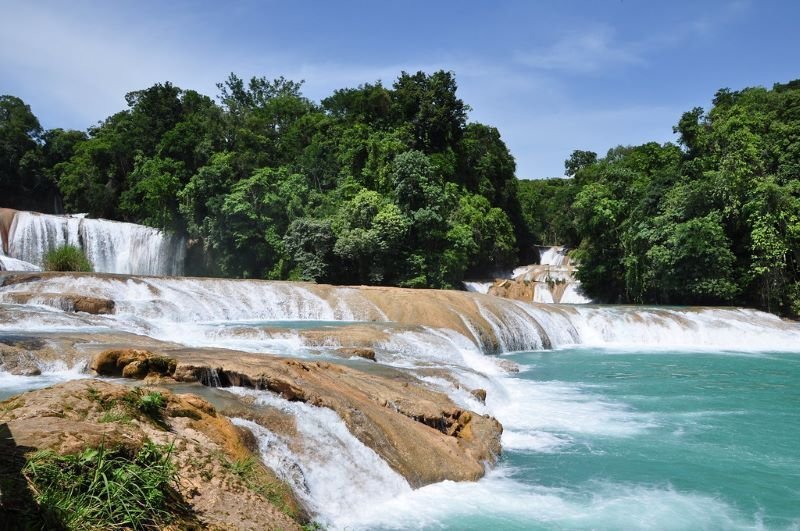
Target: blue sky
(552,76)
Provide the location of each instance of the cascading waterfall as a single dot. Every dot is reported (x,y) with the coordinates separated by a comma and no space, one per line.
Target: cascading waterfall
(553,256)
(331,470)
(442,337)
(168,303)
(111,246)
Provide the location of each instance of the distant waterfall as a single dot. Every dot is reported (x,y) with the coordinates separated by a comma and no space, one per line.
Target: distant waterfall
(550,281)
(111,246)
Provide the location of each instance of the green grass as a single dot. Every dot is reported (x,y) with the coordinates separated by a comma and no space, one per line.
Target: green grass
(248,470)
(67,258)
(104,489)
(133,404)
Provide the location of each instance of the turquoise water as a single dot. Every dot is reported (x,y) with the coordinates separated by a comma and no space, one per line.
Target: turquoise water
(600,439)
(715,428)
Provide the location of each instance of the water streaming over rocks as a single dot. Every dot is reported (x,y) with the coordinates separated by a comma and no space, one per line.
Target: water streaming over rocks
(332,471)
(110,246)
(577,434)
(550,281)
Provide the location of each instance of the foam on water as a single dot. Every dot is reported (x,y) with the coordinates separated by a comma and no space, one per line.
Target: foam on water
(516,326)
(478,287)
(12,264)
(500,501)
(52,373)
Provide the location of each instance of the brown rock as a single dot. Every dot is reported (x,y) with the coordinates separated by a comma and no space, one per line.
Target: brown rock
(132,363)
(366,353)
(71,417)
(93,305)
(480,394)
(420,433)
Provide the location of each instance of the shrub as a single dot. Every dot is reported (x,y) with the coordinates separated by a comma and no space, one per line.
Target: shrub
(104,489)
(67,258)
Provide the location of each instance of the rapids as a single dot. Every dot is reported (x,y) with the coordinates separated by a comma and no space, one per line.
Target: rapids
(620,417)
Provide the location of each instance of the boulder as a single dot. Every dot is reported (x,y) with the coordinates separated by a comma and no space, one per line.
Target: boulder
(366,353)
(132,363)
(480,394)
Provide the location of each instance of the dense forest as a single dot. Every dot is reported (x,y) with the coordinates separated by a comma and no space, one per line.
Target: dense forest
(393,185)
(372,185)
(713,220)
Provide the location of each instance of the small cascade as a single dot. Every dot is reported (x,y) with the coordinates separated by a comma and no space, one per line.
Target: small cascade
(207,312)
(331,471)
(553,256)
(211,378)
(551,281)
(478,287)
(111,246)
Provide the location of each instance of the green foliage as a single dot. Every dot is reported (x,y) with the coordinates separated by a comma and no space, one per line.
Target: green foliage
(365,187)
(101,488)
(151,403)
(67,258)
(715,220)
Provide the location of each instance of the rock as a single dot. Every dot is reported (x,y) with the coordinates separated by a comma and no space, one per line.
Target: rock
(72,416)
(420,433)
(480,394)
(93,305)
(132,363)
(68,302)
(366,353)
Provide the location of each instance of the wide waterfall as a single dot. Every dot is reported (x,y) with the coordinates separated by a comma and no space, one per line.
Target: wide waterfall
(110,246)
(178,307)
(614,417)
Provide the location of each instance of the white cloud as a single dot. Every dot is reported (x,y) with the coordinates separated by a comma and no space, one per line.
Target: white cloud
(583,52)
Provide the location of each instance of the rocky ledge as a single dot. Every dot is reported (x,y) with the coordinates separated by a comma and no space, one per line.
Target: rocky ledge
(217,469)
(420,433)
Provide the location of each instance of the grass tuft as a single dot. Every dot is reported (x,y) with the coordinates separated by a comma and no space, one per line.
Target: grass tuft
(104,489)
(67,258)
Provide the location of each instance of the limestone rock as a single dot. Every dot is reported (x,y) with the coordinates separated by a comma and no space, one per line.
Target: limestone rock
(132,363)
(72,416)
(420,433)
(366,353)
(480,394)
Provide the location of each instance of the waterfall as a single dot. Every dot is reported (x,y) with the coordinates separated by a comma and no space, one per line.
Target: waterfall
(553,256)
(111,246)
(331,471)
(191,310)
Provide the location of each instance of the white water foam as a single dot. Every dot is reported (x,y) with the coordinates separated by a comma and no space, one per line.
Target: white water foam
(52,373)
(500,500)
(111,246)
(515,325)
(339,473)
(478,287)
(12,264)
